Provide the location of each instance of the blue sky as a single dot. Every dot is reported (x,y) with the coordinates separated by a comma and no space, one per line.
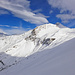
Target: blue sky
(18,16)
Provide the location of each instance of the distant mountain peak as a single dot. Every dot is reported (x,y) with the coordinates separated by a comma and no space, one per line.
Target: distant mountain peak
(60,25)
(2,33)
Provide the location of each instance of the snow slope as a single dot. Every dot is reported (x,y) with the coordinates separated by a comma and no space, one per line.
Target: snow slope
(47,49)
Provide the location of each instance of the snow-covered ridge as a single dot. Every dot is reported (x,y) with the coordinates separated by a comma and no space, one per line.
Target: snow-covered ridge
(42,37)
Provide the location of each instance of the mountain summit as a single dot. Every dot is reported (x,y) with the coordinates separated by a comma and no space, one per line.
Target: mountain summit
(47,49)
(60,25)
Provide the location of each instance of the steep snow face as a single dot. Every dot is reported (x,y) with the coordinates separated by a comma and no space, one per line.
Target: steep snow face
(15,48)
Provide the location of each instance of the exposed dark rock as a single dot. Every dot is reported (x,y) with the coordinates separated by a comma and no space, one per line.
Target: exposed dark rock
(2,62)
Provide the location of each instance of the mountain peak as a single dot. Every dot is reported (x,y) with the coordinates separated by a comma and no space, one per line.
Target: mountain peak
(45,42)
(60,25)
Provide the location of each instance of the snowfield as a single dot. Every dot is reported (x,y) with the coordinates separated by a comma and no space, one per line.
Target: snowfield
(46,50)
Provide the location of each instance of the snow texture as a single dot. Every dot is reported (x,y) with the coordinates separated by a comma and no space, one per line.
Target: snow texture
(46,50)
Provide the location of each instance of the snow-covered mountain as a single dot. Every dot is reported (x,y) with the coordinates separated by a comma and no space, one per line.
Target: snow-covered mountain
(2,33)
(47,49)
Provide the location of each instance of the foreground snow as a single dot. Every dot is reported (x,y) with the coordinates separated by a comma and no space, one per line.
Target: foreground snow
(57,61)
(33,53)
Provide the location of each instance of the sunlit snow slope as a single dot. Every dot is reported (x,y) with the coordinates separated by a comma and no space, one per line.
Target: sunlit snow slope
(47,49)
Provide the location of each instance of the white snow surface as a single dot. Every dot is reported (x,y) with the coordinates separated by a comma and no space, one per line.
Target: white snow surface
(32,53)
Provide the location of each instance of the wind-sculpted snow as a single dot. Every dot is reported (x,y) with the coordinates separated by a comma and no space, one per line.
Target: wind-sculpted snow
(20,54)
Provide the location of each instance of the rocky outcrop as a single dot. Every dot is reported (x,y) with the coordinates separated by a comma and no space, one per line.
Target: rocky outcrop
(48,41)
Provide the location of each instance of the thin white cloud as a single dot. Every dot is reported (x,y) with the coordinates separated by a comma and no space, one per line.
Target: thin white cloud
(65,17)
(15,31)
(71,24)
(37,11)
(4,25)
(63,5)
(39,14)
(67,6)
(3,12)
(9,26)
(15,27)
(21,9)
(51,11)
(1,31)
